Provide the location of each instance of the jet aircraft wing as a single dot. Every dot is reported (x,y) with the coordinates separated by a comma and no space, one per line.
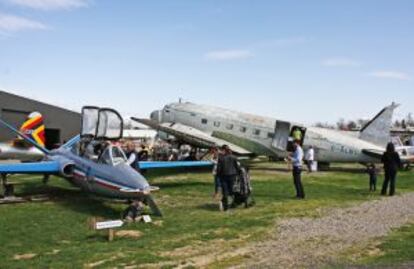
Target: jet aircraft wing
(156,165)
(48,167)
(191,135)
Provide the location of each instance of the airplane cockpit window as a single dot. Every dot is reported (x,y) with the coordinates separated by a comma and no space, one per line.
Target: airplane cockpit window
(118,155)
(112,155)
(75,148)
(105,157)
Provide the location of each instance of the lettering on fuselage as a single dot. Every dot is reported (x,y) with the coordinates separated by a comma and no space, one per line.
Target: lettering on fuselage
(338,148)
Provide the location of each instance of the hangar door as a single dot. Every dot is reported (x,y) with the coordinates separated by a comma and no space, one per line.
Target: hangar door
(52,137)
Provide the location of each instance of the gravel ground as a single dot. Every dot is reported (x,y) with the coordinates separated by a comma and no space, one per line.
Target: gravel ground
(311,243)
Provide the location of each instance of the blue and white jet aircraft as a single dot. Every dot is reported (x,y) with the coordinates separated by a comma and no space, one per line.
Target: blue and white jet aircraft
(92,163)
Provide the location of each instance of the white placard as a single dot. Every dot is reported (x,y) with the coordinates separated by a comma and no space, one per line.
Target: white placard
(109,224)
(146,218)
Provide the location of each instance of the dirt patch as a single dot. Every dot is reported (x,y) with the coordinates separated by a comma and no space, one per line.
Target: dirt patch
(128,234)
(26,256)
(53,252)
(101,262)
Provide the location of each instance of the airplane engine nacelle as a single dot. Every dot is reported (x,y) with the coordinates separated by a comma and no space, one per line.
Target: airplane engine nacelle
(66,169)
(66,166)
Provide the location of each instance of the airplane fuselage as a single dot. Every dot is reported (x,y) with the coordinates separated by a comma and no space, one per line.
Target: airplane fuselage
(114,181)
(257,133)
(24,154)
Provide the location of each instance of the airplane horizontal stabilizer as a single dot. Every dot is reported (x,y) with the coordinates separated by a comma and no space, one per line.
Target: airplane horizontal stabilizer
(377,130)
(49,167)
(191,135)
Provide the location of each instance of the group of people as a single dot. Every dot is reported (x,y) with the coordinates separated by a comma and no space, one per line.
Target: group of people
(390,159)
(392,162)
(134,156)
(230,179)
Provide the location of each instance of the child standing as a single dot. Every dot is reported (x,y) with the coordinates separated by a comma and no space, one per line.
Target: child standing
(372,172)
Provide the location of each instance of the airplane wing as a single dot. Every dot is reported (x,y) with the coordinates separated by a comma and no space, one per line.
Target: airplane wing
(48,167)
(191,135)
(378,154)
(156,165)
(373,153)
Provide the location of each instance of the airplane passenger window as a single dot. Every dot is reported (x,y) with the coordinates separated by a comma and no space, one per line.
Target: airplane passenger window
(204,121)
(217,124)
(229,126)
(243,129)
(256,132)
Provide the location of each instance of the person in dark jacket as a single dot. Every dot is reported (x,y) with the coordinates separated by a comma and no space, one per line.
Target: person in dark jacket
(392,162)
(227,171)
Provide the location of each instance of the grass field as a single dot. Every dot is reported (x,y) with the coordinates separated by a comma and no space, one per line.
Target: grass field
(56,235)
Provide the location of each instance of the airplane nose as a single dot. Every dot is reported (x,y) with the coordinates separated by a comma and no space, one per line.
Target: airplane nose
(156,116)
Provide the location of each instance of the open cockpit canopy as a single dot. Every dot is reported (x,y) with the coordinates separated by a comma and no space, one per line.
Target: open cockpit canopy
(101,123)
(89,121)
(110,124)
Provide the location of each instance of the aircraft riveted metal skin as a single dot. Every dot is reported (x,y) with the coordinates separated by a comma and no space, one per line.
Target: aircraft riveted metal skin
(208,126)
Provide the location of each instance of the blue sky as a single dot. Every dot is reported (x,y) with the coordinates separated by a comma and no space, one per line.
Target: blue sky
(306,61)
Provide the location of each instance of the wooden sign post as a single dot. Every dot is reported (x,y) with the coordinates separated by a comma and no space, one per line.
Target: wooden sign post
(106,225)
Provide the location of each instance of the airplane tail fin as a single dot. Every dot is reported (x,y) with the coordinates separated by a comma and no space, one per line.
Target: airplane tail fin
(34,128)
(377,130)
(26,138)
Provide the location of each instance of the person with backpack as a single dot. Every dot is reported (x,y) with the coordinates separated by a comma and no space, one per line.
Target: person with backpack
(242,189)
(227,171)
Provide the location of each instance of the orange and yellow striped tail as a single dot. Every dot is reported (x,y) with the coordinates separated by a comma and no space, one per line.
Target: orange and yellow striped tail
(34,128)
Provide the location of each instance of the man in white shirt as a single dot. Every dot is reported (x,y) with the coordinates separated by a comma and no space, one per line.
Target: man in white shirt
(296,158)
(310,157)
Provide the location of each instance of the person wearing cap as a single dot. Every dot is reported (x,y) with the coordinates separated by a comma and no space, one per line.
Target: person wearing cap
(227,171)
(296,158)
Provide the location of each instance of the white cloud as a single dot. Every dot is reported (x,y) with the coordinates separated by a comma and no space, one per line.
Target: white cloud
(390,75)
(51,4)
(11,23)
(228,55)
(340,61)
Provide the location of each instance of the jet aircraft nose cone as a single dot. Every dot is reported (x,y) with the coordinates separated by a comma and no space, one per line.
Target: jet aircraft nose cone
(132,178)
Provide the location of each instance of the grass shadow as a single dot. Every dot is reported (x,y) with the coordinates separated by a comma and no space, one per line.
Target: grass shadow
(209,207)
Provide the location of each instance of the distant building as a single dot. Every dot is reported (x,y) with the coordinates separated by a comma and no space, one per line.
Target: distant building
(61,124)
